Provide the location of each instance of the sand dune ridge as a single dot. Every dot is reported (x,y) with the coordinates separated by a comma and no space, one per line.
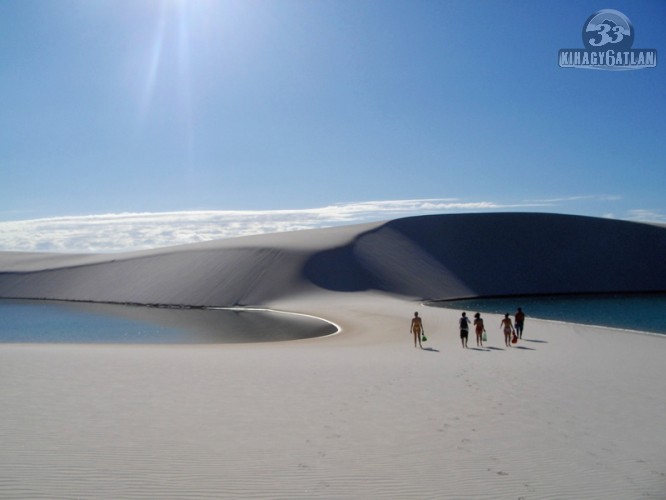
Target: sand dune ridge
(427,257)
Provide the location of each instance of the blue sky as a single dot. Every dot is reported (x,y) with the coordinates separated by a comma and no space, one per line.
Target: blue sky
(234,107)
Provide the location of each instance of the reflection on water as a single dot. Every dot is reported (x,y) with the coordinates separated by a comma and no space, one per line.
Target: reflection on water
(26,321)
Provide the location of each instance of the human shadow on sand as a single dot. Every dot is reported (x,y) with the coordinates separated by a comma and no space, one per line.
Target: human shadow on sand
(495,348)
(524,348)
(536,341)
(431,349)
(480,349)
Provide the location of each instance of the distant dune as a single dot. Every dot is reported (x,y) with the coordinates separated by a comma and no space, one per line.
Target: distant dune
(428,257)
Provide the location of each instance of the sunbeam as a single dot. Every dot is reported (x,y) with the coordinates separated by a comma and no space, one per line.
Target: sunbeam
(153,65)
(185,77)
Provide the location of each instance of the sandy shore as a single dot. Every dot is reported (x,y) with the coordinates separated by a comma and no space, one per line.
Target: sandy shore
(570,412)
(573,412)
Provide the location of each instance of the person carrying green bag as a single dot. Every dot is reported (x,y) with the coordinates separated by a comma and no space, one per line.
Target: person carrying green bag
(480,330)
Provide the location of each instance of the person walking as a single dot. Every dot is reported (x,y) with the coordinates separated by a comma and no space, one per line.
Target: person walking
(417,329)
(464,329)
(507,328)
(520,322)
(479,329)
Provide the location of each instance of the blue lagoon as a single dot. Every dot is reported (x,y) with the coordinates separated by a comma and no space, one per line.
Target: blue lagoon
(32,321)
(638,312)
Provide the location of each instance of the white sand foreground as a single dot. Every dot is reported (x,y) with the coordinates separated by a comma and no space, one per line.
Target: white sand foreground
(573,412)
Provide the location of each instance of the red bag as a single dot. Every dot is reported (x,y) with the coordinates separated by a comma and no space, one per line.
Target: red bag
(514,339)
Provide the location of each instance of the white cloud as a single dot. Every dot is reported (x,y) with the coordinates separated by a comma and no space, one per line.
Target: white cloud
(590,197)
(646,215)
(133,231)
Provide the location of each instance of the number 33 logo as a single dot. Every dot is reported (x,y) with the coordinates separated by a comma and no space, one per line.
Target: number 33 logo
(608,27)
(607,34)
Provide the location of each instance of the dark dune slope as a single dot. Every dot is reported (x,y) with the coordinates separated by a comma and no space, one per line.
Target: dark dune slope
(435,257)
(452,256)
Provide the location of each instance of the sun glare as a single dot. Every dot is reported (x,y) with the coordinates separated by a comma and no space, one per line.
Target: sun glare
(183,33)
(178,26)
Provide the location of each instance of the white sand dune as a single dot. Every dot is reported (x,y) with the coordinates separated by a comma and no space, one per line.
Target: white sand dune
(572,412)
(447,256)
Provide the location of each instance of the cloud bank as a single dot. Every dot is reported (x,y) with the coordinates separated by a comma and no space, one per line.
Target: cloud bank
(136,231)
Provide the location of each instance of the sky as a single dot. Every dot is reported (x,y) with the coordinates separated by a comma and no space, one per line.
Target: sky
(136,123)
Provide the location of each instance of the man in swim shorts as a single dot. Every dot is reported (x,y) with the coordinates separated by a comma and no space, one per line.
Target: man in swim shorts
(417,329)
(464,329)
(520,322)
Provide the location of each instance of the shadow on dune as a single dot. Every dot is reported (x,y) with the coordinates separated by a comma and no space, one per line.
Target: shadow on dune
(338,269)
(467,255)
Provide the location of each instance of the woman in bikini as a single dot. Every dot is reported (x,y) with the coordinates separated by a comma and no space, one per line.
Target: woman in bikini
(417,329)
(479,329)
(507,326)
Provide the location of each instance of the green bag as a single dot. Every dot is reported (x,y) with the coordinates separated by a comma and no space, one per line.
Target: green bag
(485,337)
(424,338)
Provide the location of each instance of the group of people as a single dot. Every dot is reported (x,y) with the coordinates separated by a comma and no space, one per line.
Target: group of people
(513,330)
